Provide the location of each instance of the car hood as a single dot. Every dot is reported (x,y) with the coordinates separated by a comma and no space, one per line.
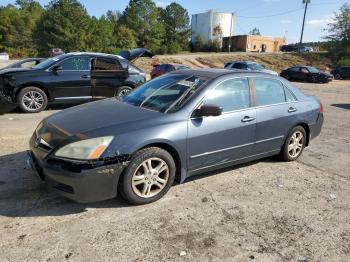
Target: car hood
(133,54)
(14,70)
(79,121)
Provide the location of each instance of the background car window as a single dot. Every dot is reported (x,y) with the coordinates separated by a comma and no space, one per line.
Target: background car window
(107,64)
(29,64)
(76,63)
(304,70)
(289,95)
(295,69)
(269,91)
(228,65)
(240,66)
(231,95)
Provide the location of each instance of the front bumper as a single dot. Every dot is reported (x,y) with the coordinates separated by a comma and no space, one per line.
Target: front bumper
(81,182)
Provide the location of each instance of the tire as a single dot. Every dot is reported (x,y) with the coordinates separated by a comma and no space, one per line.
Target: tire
(287,152)
(123,91)
(139,187)
(337,76)
(32,100)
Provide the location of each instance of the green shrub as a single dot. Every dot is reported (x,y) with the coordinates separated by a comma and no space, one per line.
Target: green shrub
(344,62)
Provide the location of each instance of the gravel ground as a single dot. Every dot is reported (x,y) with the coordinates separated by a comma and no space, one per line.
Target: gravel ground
(263,211)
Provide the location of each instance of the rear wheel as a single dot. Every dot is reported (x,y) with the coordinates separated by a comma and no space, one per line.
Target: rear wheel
(123,91)
(294,145)
(148,177)
(32,100)
(337,76)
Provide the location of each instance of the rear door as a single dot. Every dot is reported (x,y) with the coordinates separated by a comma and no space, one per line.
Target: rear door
(276,112)
(71,80)
(107,76)
(230,136)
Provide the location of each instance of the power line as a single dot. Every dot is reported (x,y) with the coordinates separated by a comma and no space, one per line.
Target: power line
(273,15)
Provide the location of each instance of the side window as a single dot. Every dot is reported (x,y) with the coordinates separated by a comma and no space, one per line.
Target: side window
(228,65)
(295,69)
(269,91)
(107,64)
(289,95)
(76,63)
(304,70)
(231,95)
(240,66)
(28,64)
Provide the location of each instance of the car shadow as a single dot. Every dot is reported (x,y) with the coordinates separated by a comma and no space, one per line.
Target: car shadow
(343,106)
(23,194)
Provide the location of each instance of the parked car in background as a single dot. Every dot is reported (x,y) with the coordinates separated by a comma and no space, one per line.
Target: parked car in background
(72,77)
(306,74)
(175,126)
(25,63)
(162,69)
(289,48)
(4,56)
(305,49)
(248,65)
(341,73)
(55,52)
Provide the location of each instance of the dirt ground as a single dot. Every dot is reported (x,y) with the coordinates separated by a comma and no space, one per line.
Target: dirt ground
(262,211)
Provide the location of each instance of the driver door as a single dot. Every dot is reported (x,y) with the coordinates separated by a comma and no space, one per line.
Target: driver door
(230,136)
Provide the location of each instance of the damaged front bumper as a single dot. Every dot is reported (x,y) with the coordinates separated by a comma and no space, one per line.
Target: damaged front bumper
(82,181)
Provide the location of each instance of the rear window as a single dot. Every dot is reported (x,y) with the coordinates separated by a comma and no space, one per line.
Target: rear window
(269,91)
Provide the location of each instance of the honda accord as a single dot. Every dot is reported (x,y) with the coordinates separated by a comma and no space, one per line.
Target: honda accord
(173,127)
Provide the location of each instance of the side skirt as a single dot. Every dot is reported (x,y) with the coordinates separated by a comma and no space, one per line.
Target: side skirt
(231,163)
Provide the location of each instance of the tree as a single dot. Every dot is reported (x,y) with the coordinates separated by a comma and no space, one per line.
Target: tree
(339,34)
(16,27)
(177,27)
(255,31)
(125,38)
(198,44)
(143,17)
(64,24)
(102,35)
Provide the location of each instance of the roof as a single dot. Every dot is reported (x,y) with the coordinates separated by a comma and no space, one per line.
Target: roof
(217,72)
(94,54)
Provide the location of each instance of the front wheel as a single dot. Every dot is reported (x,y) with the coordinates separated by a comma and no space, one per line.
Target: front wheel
(337,76)
(123,91)
(148,177)
(294,144)
(32,100)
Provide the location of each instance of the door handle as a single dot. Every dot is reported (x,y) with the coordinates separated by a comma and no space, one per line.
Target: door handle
(292,109)
(247,119)
(85,76)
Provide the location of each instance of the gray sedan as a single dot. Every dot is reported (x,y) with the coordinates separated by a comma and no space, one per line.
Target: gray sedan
(173,127)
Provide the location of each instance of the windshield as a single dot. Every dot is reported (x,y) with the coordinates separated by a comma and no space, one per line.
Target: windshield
(48,62)
(165,94)
(313,69)
(256,67)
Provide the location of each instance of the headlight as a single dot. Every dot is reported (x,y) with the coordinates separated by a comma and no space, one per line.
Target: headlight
(86,149)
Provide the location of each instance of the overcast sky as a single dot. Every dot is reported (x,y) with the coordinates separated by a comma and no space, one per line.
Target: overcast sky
(272,17)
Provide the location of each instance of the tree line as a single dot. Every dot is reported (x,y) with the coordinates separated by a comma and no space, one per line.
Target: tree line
(29,29)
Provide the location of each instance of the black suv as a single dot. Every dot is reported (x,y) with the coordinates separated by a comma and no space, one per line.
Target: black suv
(73,77)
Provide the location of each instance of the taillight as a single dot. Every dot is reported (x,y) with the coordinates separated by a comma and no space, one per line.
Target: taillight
(321,108)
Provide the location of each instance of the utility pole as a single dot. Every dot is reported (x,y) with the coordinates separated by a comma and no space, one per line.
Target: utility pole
(306,2)
(229,42)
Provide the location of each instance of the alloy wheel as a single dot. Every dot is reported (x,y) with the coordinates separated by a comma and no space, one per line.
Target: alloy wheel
(124,92)
(32,100)
(150,177)
(295,144)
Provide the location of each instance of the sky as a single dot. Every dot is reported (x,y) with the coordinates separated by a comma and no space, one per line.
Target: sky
(271,17)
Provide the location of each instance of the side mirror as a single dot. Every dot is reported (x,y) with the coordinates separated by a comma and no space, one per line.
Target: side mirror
(56,68)
(208,110)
